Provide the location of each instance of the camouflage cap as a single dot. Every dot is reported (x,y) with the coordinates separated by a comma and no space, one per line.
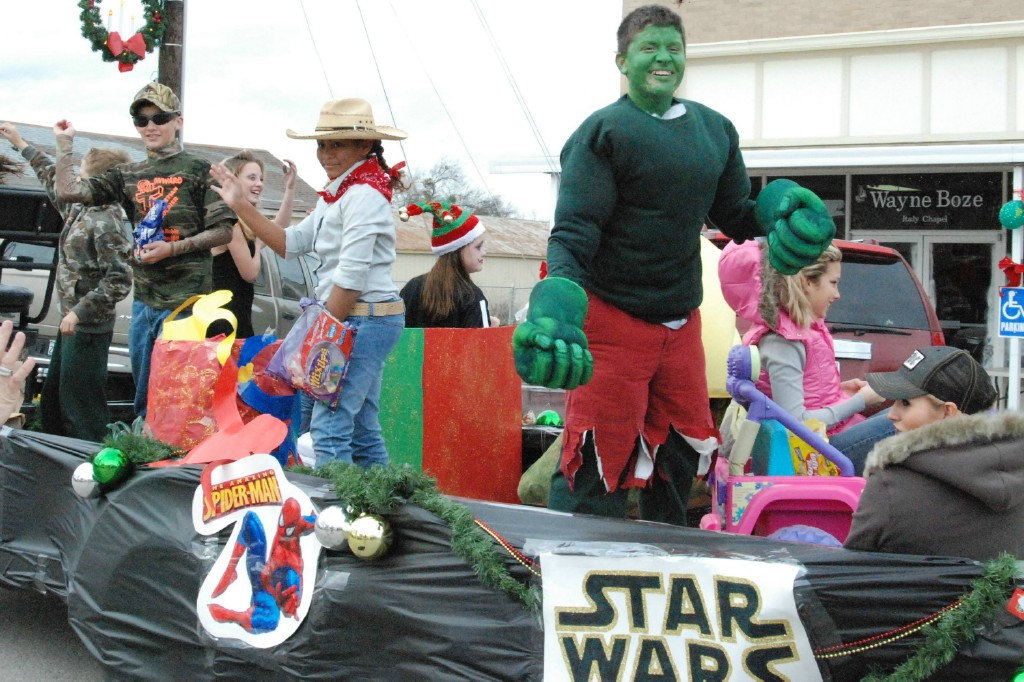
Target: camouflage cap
(157,94)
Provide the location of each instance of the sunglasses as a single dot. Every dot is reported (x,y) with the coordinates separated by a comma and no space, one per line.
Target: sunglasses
(159,118)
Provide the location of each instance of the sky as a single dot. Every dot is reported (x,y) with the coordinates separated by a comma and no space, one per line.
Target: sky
(255,68)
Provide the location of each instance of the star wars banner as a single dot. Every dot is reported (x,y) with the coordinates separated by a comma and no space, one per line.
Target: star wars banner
(672,618)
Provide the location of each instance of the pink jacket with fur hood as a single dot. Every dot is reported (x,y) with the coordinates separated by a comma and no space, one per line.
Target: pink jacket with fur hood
(739,271)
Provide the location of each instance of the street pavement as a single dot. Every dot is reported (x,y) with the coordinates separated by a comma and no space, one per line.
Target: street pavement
(36,642)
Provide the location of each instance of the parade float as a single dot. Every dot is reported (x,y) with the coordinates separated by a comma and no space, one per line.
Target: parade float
(225,561)
(435,587)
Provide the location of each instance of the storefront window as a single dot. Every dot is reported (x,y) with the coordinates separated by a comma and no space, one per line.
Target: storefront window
(926,201)
(756,184)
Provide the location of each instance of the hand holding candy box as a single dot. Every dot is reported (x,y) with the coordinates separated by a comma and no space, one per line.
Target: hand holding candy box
(150,228)
(314,356)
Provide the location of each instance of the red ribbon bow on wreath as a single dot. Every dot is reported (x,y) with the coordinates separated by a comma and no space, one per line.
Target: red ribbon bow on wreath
(136,44)
(1012,270)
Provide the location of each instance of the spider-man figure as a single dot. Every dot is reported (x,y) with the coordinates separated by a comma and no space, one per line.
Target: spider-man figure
(276,581)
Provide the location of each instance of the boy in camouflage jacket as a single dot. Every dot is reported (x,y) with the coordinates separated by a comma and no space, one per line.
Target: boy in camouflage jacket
(93,274)
(166,272)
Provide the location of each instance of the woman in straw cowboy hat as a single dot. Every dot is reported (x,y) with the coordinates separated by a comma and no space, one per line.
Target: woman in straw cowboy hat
(352,233)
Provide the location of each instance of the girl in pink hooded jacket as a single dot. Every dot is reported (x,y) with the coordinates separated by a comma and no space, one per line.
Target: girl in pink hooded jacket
(786,315)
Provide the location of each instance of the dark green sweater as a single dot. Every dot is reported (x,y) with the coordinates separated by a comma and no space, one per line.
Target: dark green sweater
(635,192)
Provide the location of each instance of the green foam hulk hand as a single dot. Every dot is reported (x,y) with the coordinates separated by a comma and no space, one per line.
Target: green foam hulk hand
(549,347)
(797,223)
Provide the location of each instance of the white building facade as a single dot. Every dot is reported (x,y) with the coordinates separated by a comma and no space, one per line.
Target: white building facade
(910,134)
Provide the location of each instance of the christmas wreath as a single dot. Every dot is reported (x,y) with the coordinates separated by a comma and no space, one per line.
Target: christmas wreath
(111,46)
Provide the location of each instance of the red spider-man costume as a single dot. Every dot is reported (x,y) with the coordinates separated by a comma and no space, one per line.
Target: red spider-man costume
(276,581)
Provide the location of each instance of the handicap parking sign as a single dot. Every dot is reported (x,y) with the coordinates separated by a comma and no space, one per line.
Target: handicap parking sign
(1011,311)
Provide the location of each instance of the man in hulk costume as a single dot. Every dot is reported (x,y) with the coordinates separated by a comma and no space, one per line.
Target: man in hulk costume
(616,320)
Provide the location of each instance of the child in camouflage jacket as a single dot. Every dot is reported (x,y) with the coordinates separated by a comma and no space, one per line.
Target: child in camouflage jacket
(93,274)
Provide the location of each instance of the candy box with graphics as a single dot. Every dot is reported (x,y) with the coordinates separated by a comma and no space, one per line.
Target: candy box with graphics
(314,356)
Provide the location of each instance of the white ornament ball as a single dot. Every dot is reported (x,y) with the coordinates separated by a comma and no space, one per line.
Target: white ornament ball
(331,529)
(83,483)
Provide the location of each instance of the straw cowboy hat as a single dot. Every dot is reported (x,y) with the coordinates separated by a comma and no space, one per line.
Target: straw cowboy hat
(348,119)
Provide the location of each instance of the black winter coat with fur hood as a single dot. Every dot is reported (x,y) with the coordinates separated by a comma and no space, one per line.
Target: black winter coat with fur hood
(954,487)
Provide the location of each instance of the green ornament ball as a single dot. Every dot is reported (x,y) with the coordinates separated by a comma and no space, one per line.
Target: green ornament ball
(109,467)
(549,418)
(1011,215)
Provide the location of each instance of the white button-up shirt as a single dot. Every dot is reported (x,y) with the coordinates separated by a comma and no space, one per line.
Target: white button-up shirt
(354,239)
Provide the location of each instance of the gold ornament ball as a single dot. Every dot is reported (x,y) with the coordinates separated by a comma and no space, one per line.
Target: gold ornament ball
(370,536)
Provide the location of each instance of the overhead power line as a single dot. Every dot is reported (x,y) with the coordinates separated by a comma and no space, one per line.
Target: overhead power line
(380,76)
(444,107)
(515,87)
(316,50)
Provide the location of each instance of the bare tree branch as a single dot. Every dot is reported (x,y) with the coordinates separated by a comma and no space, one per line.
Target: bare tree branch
(446,181)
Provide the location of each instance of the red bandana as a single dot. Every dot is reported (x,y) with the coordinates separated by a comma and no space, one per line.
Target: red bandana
(367,173)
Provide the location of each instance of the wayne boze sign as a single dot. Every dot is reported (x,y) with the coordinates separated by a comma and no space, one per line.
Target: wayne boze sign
(672,618)
(926,201)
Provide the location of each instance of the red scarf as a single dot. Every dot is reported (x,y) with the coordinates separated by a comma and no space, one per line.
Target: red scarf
(367,173)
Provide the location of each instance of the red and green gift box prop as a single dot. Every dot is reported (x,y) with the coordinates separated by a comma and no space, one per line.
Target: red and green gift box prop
(451,406)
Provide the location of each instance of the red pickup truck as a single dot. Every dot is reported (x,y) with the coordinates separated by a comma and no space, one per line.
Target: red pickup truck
(883,313)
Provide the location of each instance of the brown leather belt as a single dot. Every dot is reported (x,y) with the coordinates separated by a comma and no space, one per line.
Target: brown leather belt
(378,309)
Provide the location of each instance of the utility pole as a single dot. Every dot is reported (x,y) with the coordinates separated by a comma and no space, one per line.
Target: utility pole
(172,49)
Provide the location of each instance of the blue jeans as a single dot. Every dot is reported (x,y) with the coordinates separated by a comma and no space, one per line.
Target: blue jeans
(145,329)
(858,440)
(351,431)
(306,404)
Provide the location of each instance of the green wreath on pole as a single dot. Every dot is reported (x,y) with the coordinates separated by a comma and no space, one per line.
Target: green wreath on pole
(111,46)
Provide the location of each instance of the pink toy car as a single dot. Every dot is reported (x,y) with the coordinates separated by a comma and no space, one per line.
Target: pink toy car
(785,507)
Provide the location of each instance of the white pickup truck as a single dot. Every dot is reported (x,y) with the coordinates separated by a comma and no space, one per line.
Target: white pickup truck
(29,229)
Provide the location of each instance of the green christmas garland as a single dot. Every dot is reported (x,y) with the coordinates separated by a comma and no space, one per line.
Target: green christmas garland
(152,32)
(138,448)
(988,595)
(381,490)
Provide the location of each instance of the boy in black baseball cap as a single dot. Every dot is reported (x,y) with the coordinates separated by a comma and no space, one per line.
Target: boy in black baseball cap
(934,383)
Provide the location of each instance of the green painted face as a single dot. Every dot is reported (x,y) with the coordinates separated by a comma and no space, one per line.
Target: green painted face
(653,65)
